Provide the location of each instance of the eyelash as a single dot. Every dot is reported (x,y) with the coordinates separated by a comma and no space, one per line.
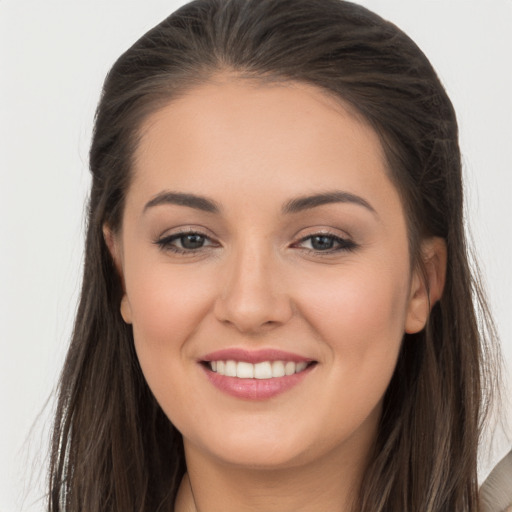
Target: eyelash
(167,243)
(344,244)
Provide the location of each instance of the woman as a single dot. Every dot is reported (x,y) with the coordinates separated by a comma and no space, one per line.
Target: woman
(277,310)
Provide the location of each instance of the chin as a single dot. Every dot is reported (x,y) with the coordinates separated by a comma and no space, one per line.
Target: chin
(265,449)
(262,458)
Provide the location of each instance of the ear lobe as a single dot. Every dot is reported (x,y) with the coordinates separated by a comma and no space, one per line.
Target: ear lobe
(112,243)
(427,283)
(126,310)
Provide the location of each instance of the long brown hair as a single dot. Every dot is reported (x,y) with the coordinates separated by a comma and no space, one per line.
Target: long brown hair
(113,447)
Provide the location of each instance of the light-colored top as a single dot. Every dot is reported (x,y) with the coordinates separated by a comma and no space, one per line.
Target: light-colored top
(496,491)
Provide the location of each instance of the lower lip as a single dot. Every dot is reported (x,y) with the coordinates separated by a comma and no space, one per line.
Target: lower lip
(256,389)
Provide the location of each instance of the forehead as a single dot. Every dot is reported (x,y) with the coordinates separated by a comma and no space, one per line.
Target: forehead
(253,138)
(251,105)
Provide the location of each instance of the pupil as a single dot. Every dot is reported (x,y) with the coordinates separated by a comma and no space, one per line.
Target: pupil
(322,242)
(192,241)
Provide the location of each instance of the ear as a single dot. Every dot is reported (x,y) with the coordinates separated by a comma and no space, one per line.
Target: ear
(427,283)
(114,247)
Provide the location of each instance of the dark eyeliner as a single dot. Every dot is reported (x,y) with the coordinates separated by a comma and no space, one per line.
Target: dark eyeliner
(166,243)
(343,244)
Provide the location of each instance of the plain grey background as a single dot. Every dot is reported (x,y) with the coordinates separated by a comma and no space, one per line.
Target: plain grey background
(53,58)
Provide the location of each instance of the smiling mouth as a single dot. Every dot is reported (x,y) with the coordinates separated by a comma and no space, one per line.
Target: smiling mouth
(263,370)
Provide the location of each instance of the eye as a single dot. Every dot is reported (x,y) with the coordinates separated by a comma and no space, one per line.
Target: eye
(185,242)
(323,242)
(190,241)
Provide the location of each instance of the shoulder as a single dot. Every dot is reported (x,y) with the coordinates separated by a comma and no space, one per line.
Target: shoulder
(496,491)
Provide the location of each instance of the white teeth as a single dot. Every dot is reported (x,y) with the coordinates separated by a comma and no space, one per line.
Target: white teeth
(300,367)
(289,368)
(278,369)
(244,370)
(230,369)
(263,370)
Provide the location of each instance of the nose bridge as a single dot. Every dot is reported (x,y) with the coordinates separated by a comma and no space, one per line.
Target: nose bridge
(252,294)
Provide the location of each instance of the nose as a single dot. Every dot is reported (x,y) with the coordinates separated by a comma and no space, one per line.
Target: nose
(252,294)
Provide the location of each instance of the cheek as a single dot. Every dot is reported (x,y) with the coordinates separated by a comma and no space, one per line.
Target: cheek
(360,315)
(359,299)
(167,306)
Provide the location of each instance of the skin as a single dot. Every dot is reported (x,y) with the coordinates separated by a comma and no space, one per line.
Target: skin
(258,282)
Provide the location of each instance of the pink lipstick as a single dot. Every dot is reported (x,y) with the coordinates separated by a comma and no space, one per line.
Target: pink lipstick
(255,375)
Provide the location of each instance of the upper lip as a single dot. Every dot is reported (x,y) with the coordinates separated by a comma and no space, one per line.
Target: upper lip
(254,356)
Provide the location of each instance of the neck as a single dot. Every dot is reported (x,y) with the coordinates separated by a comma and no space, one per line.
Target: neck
(324,485)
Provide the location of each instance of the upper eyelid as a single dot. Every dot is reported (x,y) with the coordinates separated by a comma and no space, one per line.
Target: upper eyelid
(189,230)
(343,242)
(338,238)
(177,235)
(335,233)
(169,237)
(297,239)
(167,244)
(323,233)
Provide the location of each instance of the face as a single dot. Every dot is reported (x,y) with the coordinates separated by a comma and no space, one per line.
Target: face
(267,274)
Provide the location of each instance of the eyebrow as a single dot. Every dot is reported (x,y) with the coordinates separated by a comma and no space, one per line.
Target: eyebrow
(296,205)
(182,199)
(300,204)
